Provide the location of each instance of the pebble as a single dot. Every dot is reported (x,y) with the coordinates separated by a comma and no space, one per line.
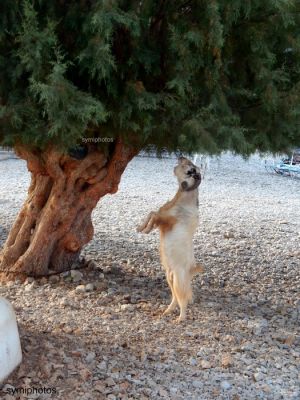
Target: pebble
(30,287)
(225,385)
(258,376)
(109,382)
(28,280)
(173,390)
(226,360)
(89,287)
(193,361)
(205,364)
(102,366)
(53,278)
(80,289)
(229,235)
(76,275)
(64,302)
(90,357)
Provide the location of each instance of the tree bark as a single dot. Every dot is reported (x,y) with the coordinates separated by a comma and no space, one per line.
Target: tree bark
(55,220)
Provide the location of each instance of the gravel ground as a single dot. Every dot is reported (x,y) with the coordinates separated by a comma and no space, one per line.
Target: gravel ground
(97,333)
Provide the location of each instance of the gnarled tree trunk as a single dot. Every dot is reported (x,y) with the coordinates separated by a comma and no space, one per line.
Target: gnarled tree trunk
(55,220)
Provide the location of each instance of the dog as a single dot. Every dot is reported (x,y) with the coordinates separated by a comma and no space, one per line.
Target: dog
(177,221)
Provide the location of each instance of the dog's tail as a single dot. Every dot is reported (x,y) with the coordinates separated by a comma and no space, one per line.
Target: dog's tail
(196,269)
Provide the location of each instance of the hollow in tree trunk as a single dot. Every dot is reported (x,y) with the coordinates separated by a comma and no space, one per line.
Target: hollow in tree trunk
(55,220)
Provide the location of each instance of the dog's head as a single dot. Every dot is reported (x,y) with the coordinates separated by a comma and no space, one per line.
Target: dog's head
(188,174)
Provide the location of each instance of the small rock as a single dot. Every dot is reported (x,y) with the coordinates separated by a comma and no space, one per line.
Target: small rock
(109,382)
(193,361)
(68,329)
(258,376)
(80,289)
(89,287)
(225,385)
(205,364)
(76,275)
(28,280)
(229,235)
(53,278)
(101,286)
(173,390)
(90,357)
(85,373)
(64,274)
(102,366)
(30,287)
(127,307)
(63,302)
(226,360)
(259,326)
(163,393)
(99,386)
(290,340)
(216,393)
(229,338)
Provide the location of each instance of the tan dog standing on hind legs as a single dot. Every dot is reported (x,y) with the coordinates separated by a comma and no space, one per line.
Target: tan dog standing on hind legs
(177,221)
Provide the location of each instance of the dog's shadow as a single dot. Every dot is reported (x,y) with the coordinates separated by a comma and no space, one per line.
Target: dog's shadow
(207,299)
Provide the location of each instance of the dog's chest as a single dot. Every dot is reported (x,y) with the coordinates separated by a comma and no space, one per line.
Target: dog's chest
(187,217)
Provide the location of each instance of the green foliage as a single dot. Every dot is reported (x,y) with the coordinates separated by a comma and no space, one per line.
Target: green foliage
(191,75)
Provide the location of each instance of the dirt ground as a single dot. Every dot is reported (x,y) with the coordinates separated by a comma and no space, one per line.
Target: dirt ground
(98,332)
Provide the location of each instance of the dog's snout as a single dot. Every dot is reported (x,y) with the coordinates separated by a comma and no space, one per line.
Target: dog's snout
(197,177)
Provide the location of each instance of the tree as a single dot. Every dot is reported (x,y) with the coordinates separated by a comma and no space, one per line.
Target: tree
(85,85)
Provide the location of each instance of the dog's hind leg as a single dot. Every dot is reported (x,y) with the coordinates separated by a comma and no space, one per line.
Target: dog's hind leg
(183,292)
(173,303)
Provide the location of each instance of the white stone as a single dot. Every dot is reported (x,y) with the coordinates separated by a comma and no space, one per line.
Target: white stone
(258,376)
(89,287)
(10,347)
(205,364)
(90,357)
(173,390)
(225,385)
(80,289)
(193,361)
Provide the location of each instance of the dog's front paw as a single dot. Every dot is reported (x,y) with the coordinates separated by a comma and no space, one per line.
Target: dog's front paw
(143,229)
(139,228)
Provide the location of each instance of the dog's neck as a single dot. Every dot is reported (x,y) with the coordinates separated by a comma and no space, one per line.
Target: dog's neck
(188,197)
